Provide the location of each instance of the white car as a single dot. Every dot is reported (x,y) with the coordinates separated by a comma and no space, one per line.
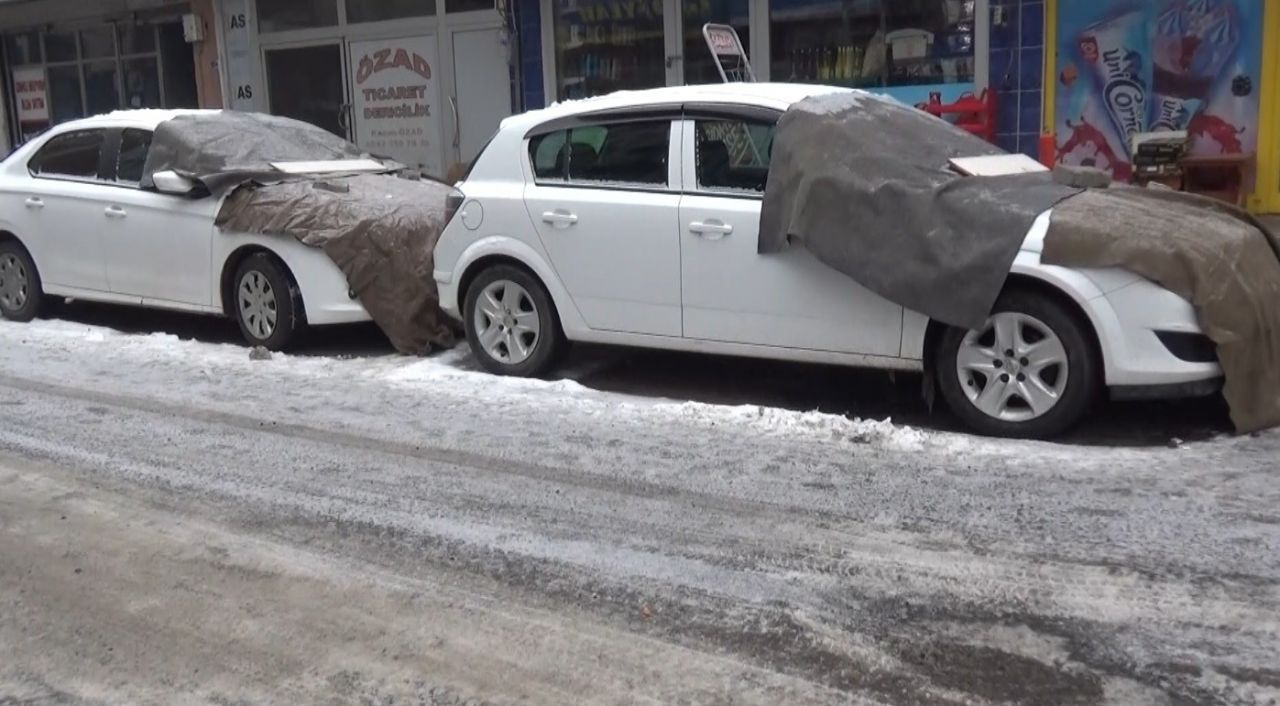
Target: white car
(75,224)
(596,221)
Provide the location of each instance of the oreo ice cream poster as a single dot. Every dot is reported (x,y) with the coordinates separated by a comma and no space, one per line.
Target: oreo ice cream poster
(1145,66)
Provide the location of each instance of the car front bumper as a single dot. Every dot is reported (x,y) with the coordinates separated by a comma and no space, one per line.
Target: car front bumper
(1131,322)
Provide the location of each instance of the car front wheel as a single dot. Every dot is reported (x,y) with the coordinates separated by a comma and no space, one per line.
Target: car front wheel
(20,290)
(267,304)
(1031,371)
(511,323)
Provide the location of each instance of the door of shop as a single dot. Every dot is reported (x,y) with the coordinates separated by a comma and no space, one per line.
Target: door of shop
(306,82)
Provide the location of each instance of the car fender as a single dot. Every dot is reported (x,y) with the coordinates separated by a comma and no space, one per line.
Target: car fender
(33,245)
(318,278)
(1074,284)
(506,246)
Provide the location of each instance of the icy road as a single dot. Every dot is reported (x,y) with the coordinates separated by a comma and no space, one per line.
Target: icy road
(180,524)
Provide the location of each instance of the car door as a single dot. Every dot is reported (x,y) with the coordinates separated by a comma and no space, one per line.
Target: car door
(602,201)
(732,293)
(159,246)
(60,209)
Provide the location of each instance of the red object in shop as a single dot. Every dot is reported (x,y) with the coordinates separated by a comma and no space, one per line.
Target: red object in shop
(1048,150)
(977,114)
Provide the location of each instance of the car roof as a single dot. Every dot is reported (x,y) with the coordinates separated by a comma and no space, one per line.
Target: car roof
(146,118)
(772,95)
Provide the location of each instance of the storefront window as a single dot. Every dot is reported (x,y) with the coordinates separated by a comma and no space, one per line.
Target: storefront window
(60,46)
(141,83)
(100,91)
(872,43)
(137,39)
(600,48)
(379,10)
(699,66)
(98,43)
(23,49)
(282,15)
(64,93)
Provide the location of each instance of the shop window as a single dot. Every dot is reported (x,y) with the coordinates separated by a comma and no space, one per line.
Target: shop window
(179,67)
(60,46)
(141,83)
(137,39)
(872,43)
(622,154)
(75,154)
(134,145)
(733,155)
(699,66)
(23,49)
(98,43)
(65,100)
(599,50)
(283,15)
(379,10)
(452,6)
(100,91)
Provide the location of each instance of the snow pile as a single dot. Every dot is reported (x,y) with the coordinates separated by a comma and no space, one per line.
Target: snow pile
(772,421)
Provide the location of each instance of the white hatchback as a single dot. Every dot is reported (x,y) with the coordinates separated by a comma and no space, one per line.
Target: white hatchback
(617,220)
(75,224)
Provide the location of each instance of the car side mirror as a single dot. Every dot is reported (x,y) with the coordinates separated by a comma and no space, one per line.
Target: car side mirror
(170,182)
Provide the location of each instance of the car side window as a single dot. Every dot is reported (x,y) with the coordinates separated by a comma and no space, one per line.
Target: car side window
(619,154)
(134,145)
(73,154)
(733,155)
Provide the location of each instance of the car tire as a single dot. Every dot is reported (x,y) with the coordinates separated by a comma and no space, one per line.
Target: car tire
(266,303)
(21,293)
(512,324)
(1031,372)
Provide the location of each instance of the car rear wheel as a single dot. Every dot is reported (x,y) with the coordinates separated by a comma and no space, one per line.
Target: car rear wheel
(511,323)
(1030,372)
(268,305)
(21,294)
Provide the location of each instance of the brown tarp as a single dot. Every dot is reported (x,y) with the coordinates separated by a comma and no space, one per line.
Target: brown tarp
(1210,253)
(380,229)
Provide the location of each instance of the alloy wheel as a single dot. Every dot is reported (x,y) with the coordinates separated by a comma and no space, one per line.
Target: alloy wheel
(258,306)
(506,322)
(14,282)
(1014,369)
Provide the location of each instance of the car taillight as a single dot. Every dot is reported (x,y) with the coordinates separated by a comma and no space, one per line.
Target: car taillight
(452,204)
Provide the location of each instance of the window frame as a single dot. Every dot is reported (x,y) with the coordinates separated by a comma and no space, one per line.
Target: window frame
(103,157)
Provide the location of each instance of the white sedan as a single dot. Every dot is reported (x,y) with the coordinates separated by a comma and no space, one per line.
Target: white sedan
(75,224)
(623,220)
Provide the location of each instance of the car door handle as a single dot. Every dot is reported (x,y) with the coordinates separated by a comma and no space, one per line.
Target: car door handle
(559,218)
(35,203)
(711,230)
(116,212)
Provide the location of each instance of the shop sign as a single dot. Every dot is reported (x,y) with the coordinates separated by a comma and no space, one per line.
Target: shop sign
(726,48)
(395,90)
(1156,66)
(31,95)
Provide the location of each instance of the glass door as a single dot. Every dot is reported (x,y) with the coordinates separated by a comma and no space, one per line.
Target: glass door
(699,66)
(308,83)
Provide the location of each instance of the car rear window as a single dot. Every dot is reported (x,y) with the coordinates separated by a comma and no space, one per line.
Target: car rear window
(72,154)
(632,153)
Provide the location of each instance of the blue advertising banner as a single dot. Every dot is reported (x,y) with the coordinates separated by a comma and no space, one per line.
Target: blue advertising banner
(1152,65)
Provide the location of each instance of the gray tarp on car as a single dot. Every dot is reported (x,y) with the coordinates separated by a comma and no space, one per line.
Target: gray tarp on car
(863,182)
(380,229)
